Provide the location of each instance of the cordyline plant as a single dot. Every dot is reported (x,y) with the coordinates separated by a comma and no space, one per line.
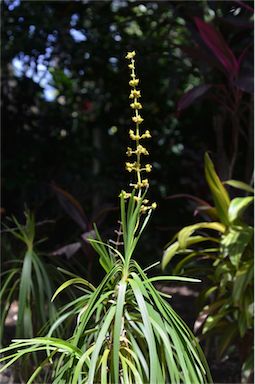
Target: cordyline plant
(75,211)
(125,330)
(221,250)
(232,93)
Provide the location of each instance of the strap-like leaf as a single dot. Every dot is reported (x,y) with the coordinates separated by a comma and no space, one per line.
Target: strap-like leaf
(99,343)
(137,285)
(77,280)
(184,236)
(71,206)
(219,193)
(117,327)
(192,95)
(238,206)
(215,41)
(239,185)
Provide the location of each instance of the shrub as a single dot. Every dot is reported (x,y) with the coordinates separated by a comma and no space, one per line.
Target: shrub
(29,279)
(226,241)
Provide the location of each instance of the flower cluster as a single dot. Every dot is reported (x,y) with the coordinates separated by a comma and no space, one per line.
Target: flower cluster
(136,135)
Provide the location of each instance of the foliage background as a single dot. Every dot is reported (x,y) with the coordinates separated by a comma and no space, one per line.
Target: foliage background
(65,105)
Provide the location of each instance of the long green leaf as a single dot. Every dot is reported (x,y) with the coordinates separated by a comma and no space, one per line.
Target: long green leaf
(11,274)
(99,343)
(50,341)
(7,305)
(239,185)
(104,367)
(137,377)
(78,368)
(139,353)
(136,287)
(117,327)
(24,291)
(172,278)
(169,254)
(77,280)
(185,239)
(185,233)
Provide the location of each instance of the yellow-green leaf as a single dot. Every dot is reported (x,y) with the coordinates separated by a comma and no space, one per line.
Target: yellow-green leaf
(238,206)
(239,185)
(219,192)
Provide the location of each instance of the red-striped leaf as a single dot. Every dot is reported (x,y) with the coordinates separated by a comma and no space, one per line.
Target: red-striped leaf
(192,95)
(215,41)
(71,206)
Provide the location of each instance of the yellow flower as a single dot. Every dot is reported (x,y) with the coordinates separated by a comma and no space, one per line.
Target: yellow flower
(154,205)
(143,209)
(141,150)
(135,94)
(132,167)
(129,167)
(139,184)
(145,183)
(137,119)
(146,135)
(134,82)
(130,55)
(133,136)
(125,194)
(136,105)
(142,184)
(129,151)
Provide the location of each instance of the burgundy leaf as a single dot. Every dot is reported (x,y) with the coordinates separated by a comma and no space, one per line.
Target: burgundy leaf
(88,235)
(188,196)
(232,21)
(245,78)
(245,82)
(68,250)
(71,206)
(247,50)
(202,206)
(99,216)
(201,55)
(244,5)
(192,95)
(215,41)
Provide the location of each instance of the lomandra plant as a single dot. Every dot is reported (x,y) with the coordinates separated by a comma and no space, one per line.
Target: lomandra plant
(27,278)
(125,331)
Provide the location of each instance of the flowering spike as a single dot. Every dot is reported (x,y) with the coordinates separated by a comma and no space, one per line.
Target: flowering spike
(136,105)
(136,136)
(135,94)
(130,55)
(134,82)
(137,119)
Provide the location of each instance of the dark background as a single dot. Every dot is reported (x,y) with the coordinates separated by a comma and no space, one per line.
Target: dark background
(66,115)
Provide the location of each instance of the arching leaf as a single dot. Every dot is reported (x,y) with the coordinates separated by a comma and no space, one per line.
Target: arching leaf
(215,41)
(238,206)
